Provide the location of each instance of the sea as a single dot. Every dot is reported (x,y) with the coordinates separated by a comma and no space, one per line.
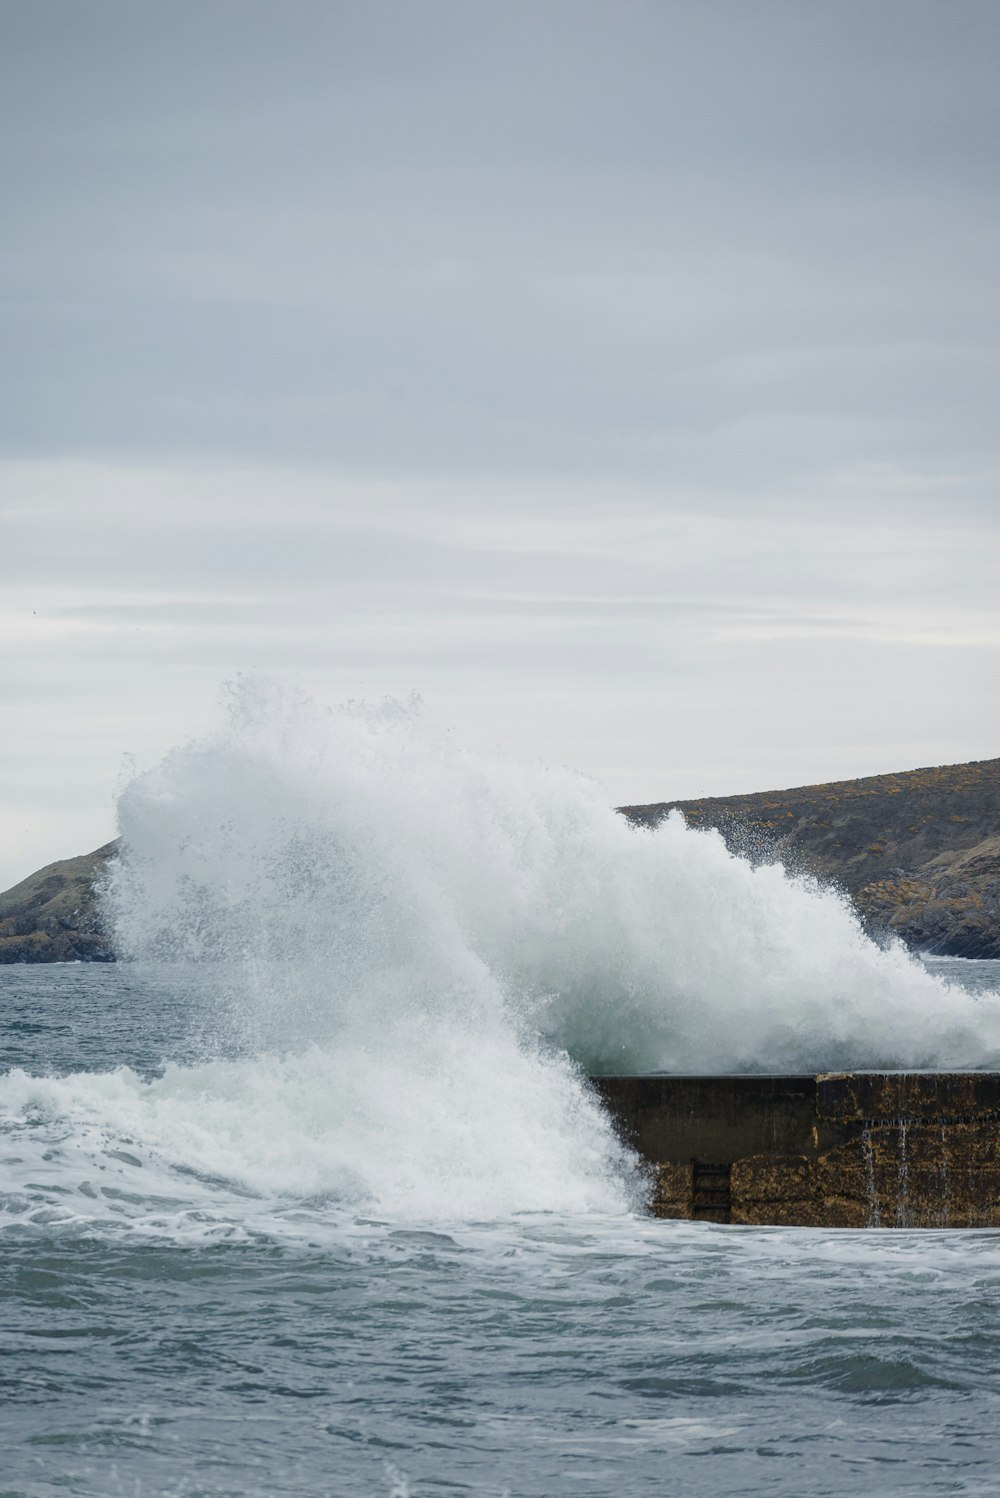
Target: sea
(309,1194)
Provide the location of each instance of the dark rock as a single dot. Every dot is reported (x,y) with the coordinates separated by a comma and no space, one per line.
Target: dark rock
(918,852)
(53,916)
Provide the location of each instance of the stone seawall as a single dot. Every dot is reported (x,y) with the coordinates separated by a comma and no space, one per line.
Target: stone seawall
(839,1149)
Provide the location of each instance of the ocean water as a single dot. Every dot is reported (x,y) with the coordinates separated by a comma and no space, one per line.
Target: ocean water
(310,1196)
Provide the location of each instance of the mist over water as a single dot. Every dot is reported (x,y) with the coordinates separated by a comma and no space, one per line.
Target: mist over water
(408,956)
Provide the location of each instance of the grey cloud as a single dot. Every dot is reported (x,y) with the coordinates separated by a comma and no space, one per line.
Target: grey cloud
(744,244)
(621,375)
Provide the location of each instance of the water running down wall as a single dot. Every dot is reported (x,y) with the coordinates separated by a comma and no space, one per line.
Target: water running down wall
(868,1149)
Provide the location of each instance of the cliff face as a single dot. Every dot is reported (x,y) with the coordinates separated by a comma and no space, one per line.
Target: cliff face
(918,852)
(52,916)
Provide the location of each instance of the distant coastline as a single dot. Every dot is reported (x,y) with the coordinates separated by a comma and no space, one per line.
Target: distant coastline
(917,852)
(53,915)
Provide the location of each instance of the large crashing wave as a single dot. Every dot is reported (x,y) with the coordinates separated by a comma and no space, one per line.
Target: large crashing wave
(359,874)
(423,949)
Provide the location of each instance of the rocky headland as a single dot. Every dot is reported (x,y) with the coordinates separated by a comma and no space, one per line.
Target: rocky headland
(917,852)
(53,916)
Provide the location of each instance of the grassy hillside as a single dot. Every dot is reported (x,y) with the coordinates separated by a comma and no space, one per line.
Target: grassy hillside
(52,917)
(919,851)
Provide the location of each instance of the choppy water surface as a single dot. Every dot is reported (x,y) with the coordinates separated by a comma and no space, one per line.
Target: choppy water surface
(311,1197)
(167,1331)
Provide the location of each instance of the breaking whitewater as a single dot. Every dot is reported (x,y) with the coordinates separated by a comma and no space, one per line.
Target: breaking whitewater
(310,1194)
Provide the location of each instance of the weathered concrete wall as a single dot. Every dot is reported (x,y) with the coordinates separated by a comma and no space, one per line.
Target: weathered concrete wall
(861,1149)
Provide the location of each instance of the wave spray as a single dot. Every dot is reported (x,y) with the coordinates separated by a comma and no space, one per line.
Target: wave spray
(417,952)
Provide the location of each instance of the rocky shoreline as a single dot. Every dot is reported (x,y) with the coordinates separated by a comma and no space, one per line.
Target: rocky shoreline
(917,852)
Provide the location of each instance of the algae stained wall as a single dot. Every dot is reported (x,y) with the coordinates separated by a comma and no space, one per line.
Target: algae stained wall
(846,1149)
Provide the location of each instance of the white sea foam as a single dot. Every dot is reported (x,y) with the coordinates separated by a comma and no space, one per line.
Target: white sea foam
(479,1135)
(357,872)
(424,948)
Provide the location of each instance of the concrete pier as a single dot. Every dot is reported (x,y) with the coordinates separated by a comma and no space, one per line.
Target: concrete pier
(837,1149)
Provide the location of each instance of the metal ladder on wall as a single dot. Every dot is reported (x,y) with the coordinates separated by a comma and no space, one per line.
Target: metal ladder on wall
(710,1194)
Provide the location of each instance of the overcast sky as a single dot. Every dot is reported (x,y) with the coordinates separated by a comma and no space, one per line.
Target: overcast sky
(622,377)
